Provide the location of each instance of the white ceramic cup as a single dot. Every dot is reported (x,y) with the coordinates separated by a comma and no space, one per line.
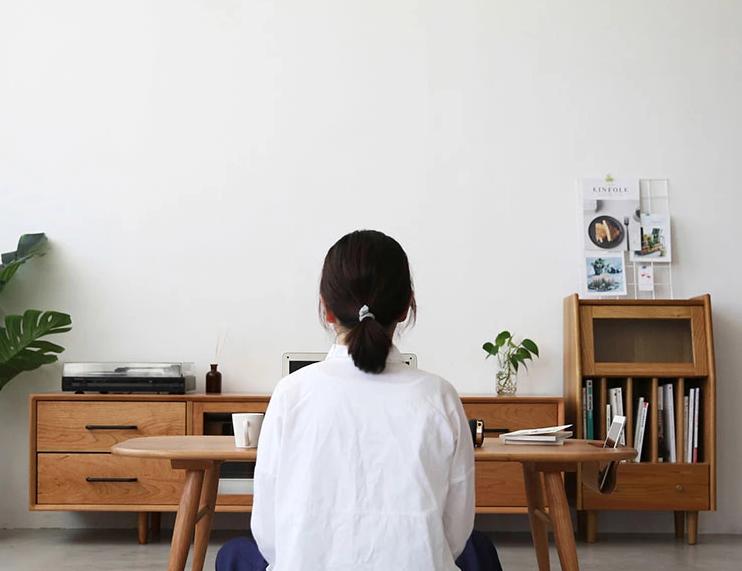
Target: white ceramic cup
(247,428)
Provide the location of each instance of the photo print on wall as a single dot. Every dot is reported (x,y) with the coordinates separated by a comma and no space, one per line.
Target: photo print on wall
(646,277)
(605,273)
(655,239)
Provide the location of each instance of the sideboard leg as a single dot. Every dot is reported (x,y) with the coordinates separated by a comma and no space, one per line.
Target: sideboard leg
(591,526)
(155,522)
(539,531)
(692,520)
(142,528)
(581,524)
(679,525)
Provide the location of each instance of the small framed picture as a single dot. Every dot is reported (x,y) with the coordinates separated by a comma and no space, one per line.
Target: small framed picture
(605,273)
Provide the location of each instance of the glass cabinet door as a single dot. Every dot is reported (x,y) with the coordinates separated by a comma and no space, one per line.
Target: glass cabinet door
(643,340)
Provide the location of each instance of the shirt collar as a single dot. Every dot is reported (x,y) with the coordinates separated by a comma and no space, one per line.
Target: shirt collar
(338,351)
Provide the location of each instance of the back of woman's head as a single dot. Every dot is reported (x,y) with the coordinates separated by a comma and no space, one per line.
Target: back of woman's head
(367,287)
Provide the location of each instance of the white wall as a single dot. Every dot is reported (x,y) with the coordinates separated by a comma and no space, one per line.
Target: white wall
(192,161)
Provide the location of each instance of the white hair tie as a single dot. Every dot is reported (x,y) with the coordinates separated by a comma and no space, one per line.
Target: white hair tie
(364,312)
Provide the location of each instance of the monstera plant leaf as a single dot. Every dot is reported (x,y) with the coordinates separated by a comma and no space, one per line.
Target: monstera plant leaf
(21,346)
(29,245)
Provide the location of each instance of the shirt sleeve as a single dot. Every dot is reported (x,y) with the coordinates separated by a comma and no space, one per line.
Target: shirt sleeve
(263,520)
(458,514)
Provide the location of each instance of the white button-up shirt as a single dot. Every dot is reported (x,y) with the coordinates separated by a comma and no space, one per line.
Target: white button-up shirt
(360,472)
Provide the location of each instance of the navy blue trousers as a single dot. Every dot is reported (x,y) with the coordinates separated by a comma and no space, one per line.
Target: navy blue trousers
(241,554)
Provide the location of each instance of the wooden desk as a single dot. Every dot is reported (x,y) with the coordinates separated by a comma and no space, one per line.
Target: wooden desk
(549,462)
(201,456)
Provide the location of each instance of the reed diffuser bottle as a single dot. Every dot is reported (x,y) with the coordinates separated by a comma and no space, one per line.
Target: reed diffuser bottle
(214,377)
(213,380)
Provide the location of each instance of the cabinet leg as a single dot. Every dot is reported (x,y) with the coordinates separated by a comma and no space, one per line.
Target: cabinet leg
(591,526)
(692,521)
(142,528)
(155,521)
(679,525)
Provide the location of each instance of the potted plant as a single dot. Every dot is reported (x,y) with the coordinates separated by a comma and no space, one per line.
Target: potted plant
(510,356)
(21,346)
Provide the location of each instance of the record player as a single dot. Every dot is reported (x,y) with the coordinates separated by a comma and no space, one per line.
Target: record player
(171,378)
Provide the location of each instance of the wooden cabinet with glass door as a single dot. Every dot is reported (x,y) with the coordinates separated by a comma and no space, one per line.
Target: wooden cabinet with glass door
(653,350)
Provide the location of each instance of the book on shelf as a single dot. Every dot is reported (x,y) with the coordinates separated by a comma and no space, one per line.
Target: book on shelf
(620,412)
(642,409)
(590,435)
(696,416)
(669,407)
(688,404)
(660,423)
(608,418)
(615,397)
(584,412)
(548,436)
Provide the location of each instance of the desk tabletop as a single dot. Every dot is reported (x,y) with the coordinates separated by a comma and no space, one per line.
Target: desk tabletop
(184,448)
(223,448)
(572,451)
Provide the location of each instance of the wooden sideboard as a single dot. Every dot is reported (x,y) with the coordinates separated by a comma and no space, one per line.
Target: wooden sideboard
(71,468)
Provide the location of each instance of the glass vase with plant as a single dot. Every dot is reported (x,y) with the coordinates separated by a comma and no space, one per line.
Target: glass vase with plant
(510,357)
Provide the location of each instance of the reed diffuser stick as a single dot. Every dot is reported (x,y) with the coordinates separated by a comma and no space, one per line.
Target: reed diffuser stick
(221,338)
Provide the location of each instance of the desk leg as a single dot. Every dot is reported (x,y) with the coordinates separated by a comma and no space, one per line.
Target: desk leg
(206,510)
(561,521)
(539,531)
(185,521)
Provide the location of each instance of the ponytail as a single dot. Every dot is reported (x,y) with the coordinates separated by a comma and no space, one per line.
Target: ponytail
(367,267)
(369,344)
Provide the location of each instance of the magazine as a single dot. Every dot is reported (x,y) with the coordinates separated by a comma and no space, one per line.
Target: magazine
(611,220)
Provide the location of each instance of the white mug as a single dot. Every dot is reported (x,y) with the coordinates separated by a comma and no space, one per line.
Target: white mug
(247,428)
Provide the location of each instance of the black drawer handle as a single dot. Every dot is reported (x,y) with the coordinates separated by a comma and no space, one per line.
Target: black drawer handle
(111,427)
(94,480)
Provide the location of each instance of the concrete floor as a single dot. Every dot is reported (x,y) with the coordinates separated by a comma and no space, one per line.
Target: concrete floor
(117,550)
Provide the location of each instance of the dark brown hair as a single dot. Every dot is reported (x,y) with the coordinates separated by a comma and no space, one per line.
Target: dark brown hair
(367,267)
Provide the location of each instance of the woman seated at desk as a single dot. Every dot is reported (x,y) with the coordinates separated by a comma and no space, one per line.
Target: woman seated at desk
(363,463)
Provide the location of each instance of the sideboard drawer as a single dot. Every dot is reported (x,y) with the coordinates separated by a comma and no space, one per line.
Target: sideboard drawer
(499,484)
(513,415)
(105,479)
(647,486)
(96,426)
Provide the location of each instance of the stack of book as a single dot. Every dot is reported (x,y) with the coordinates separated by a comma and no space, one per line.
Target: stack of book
(667,424)
(692,403)
(549,436)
